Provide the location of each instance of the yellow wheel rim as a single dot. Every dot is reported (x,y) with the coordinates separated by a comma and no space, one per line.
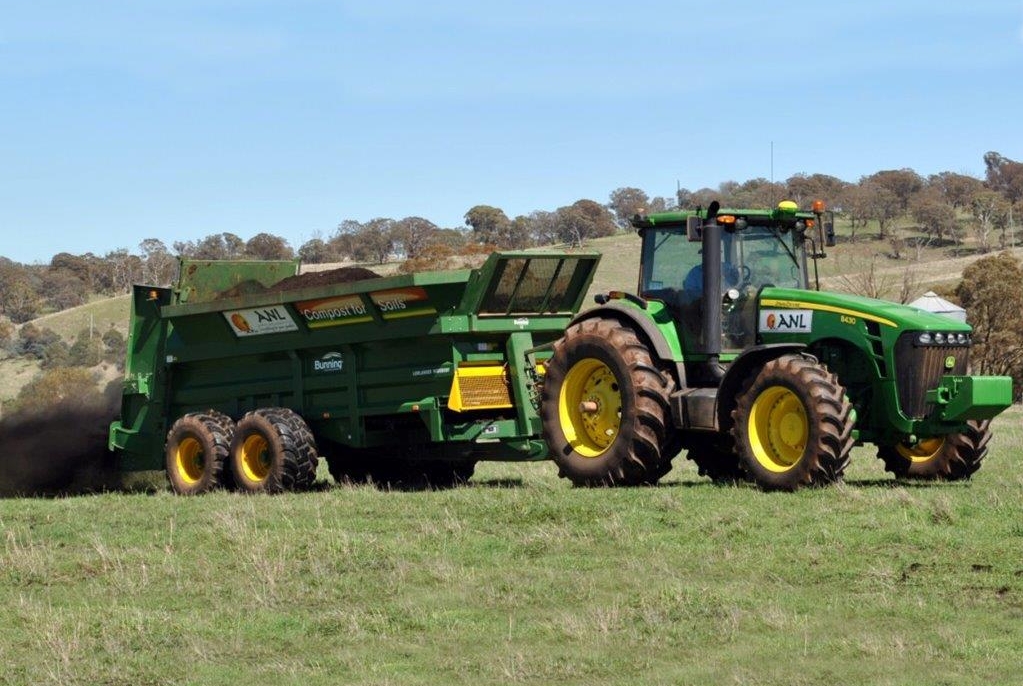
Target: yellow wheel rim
(190,460)
(778,429)
(921,451)
(590,407)
(255,458)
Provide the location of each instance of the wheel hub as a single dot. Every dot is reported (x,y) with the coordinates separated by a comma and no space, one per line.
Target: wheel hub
(590,407)
(778,429)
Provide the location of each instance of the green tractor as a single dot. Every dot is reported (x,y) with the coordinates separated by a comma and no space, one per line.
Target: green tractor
(727,353)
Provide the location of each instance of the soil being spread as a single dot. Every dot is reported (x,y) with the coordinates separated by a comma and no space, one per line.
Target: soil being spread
(307,280)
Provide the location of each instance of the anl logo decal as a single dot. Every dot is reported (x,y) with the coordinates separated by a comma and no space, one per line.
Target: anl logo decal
(786,321)
(260,321)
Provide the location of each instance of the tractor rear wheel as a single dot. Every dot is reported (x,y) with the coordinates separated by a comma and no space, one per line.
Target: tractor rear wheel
(793,425)
(196,452)
(273,451)
(605,407)
(950,458)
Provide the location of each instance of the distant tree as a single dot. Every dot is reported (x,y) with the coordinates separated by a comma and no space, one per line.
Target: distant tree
(316,251)
(991,211)
(901,183)
(52,387)
(658,204)
(543,227)
(1006,177)
(114,347)
(265,246)
(583,220)
(7,332)
(18,297)
(756,193)
(343,242)
(63,289)
(80,266)
(374,241)
(121,270)
(957,190)
(218,246)
(159,267)
(520,233)
(627,202)
(33,341)
(86,351)
(876,201)
(433,257)
(804,189)
(704,197)
(489,225)
(937,218)
(684,198)
(414,234)
(456,239)
(991,290)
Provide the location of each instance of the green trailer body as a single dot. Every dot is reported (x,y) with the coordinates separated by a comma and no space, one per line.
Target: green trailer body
(446,361)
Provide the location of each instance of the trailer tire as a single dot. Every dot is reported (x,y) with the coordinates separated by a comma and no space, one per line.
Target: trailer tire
(717,462)
(793,425)
(196,452)
(617,438)
(273,451)
(949,458)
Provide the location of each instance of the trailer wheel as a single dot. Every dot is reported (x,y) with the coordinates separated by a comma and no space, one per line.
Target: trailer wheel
(793,425)
(273,451)
(715,461)
(605,407)
(950,458)
(196,451)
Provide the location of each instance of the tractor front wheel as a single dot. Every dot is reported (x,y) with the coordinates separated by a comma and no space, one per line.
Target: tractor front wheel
(605,407)
(793,425)
(273,451)
(950,458)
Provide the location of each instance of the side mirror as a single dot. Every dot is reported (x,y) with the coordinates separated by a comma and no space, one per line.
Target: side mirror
(694,229)
(829,230)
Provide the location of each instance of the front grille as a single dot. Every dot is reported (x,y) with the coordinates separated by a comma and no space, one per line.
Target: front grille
(919,368)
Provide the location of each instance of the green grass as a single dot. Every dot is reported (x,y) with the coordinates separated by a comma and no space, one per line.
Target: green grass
(519,578)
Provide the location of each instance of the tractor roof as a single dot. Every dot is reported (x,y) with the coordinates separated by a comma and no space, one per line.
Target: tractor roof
(679,217)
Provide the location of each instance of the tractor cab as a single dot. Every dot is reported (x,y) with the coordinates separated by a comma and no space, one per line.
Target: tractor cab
(708,266)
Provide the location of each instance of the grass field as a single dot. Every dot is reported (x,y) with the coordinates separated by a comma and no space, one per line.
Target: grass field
(519,578)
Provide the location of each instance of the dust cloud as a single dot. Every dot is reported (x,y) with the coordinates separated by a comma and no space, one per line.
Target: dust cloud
(60,451)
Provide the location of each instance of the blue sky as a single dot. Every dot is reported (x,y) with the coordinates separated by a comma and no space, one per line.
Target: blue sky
(124,120)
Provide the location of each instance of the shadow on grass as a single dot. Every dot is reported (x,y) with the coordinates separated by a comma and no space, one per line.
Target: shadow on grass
(894,483)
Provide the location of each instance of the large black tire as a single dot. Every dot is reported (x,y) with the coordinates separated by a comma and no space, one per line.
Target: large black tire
(949,458)
(793,425)
(196,452)
(273,451)
(389,468)
(617,438)
(715,458)
(347,465)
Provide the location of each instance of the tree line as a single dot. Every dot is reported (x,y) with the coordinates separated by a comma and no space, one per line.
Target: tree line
(946,208)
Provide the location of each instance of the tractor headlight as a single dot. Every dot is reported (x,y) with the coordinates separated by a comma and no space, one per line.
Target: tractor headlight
(943,338)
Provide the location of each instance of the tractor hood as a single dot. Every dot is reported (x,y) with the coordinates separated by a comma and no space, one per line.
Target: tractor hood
(901,317)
